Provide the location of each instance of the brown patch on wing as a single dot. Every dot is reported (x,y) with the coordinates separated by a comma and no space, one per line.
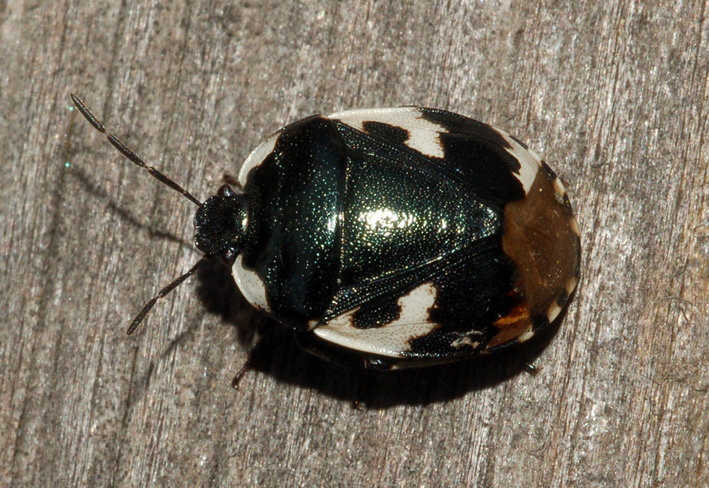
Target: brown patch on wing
(511,325)
(541,237)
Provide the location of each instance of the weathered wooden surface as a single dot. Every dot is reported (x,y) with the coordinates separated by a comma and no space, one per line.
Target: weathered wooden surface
(613,94)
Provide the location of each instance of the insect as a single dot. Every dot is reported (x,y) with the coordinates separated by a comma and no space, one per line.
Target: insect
(404,236)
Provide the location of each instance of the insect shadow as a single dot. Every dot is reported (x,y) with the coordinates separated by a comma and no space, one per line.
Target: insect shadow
(97,192)
(278,355)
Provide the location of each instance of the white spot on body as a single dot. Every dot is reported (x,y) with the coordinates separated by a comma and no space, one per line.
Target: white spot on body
(465,341)
(391,339)
(571,284)
(575,227)
(559,187)
(423,134)
(526,335)
(250,285)
(553,311)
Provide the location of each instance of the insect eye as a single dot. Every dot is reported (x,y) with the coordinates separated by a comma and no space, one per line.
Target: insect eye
(226,191)
(228,257)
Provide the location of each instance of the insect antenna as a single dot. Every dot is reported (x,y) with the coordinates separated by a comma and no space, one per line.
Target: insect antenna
(148,306)
(127,152)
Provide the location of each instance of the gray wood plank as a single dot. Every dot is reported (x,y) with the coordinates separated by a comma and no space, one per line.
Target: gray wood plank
(613,94)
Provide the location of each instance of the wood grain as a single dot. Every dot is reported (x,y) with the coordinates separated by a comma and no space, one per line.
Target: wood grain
(613,94)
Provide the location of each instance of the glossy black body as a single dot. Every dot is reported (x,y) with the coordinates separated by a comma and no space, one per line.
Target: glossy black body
(339,220)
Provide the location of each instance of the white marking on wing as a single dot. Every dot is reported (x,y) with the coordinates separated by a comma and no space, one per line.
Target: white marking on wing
(391,339)
(529,161)
(423,134)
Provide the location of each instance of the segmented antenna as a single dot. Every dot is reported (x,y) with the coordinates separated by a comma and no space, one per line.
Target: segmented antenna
(148,306)
(128,153)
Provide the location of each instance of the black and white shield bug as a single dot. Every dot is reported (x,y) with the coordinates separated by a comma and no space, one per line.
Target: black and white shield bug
(406,236)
